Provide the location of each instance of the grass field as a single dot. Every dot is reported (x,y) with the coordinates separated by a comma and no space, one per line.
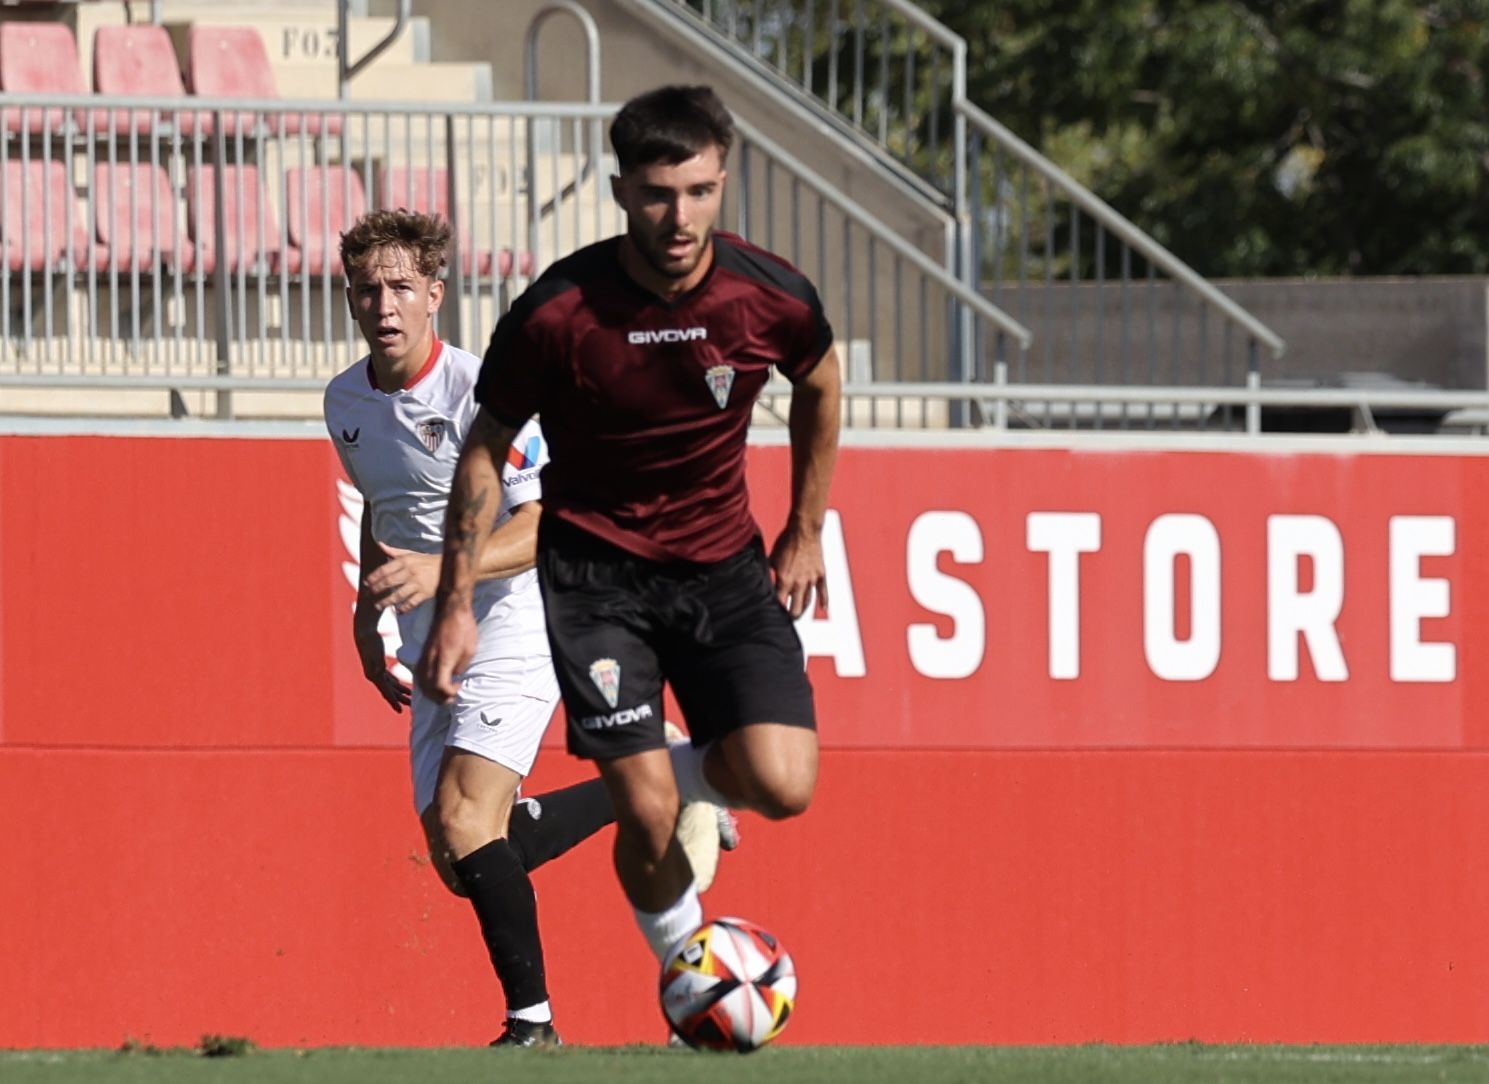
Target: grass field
(1178,1063)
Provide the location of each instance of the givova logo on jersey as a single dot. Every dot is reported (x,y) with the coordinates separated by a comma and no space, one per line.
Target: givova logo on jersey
(666,335)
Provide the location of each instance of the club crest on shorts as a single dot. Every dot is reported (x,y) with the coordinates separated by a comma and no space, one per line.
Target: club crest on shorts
(605,673)
(720,379)
(431,432)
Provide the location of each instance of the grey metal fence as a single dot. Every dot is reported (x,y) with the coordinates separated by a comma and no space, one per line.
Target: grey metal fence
(154,247)
(1105,303)
(880,68)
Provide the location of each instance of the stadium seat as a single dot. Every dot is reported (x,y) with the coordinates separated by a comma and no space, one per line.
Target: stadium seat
(139,60)
(231,62)
(137,223)
(321,202)
(426,190)
(38,58)
(251,239)
(37,201)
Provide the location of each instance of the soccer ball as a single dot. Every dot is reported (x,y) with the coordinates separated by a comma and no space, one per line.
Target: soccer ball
(728,986)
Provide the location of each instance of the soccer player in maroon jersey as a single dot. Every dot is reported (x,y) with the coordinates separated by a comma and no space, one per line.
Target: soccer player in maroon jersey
(644,355)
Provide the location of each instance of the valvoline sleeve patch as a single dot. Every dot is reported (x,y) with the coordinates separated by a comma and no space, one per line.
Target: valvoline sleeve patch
(525,460)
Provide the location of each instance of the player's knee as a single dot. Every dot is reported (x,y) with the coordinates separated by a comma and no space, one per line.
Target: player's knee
(780,791)
(448,877)
(465,823)
(647,822)
(782,799)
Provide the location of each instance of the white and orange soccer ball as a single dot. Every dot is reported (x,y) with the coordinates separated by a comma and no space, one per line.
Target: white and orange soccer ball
(728,986)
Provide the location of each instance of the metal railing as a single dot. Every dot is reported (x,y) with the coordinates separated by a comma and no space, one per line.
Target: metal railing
(883,69)
(117,210)
(1104,301)
(898,314)
(1109,305)
(192,246)
(1165,410)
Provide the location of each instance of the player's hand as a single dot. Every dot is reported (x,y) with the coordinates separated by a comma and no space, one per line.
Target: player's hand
(375,669)
(447,652)
(404,580)
(796,560)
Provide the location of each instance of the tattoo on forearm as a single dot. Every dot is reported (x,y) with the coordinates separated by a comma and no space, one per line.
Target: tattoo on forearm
(466,537)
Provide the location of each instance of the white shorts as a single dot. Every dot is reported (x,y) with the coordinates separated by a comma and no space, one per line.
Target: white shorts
(501,712)
(506,697)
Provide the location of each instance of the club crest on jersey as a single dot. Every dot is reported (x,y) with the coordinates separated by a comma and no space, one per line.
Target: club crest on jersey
(605,673)
(720,379)
(431,432)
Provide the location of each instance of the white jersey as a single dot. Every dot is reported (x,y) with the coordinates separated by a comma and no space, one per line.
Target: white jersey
(399,449)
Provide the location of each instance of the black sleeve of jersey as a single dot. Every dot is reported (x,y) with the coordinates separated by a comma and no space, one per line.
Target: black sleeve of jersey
(816,336)
(511,379)
(808,334)
(508,382)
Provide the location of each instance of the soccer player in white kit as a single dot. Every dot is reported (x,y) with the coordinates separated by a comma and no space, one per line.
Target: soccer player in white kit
(398,418)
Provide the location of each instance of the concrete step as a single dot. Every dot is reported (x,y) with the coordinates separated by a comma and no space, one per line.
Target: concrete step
(442,81)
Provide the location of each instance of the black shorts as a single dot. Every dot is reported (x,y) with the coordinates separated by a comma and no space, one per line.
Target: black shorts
(621,625)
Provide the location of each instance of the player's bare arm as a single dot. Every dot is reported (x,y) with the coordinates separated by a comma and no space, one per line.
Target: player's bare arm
(815,419)
(364,627)
(408,578)
(475,498)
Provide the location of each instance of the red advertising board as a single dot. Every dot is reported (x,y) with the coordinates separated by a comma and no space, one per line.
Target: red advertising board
(1066,600)
(1154,744)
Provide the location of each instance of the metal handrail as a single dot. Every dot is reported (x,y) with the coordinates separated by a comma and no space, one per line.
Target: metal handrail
(1219,395)
(586,22)
(1120,225)
(346,70)
(193,104)
(929,267)
(681,20)
(973,392)
(966,113)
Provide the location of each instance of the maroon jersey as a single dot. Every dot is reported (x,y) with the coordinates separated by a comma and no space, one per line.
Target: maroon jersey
(645,404)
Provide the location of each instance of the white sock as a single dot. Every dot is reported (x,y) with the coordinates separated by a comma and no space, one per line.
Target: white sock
(663,929)
(541,1013)
(687,766)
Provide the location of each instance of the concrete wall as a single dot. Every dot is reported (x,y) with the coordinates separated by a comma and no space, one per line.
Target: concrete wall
(1427,329)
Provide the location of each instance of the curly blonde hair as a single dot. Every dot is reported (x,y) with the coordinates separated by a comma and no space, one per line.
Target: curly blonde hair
(426,239)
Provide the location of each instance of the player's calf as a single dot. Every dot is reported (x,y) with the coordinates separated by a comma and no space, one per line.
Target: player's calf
(439,851)
(473,801)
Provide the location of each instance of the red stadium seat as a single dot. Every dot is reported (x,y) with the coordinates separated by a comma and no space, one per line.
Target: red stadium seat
(509,263)
(37,199)
(426,190)
(231,62)
(251,235)
(137,224)
(139,60)
(38,58)
(321,202)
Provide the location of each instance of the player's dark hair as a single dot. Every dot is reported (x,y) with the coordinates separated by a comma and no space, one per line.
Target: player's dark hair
(426,239)
(670,125)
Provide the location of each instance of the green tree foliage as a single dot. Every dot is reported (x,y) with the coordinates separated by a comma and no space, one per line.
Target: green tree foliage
(1257,137)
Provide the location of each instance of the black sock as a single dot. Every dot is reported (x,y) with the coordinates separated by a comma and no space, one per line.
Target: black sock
(547,825)
(508,912)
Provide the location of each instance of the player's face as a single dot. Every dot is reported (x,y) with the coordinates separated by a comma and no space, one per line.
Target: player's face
(670,214)
(394,306)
